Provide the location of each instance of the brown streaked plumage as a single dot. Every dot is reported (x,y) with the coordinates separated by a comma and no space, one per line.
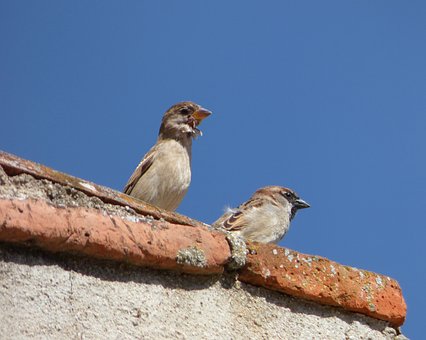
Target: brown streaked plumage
(163,176)
(265,217)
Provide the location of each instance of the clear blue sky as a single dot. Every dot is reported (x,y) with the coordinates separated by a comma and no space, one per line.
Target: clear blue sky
(325,97)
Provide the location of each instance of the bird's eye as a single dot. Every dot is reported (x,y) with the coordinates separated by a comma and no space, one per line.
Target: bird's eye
(184,111)
(287,194)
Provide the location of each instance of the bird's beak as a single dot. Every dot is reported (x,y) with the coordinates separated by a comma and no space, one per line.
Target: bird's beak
(301,204)
(200,114)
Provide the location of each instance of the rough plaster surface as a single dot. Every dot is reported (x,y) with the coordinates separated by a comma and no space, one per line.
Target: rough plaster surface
(58,296)
(26,186)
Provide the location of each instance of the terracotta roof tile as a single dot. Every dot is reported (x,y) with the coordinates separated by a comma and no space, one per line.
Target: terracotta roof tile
(318,279)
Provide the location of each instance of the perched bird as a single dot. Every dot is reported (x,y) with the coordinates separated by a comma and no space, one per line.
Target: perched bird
(163,176)
(265,217)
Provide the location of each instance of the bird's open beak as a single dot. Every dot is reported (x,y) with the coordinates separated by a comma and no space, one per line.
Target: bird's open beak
(200,114)
(301,204)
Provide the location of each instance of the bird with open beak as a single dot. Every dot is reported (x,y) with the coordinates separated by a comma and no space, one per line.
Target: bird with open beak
(163,176)
(265,217)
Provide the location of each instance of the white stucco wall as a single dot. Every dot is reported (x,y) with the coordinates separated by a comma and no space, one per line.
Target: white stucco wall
(64,297)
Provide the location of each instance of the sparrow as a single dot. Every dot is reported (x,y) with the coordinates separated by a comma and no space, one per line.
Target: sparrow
(163,176)
(265,217)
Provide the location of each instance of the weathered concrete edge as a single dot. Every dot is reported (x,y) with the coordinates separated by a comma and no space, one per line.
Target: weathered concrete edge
(14,165)
(320,280)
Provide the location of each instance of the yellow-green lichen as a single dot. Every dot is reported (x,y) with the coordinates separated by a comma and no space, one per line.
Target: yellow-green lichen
(238,251)
(191,256)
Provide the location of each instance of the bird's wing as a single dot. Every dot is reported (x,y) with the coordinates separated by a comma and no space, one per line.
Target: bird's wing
(219,222)
(143,167)
(237,219)
(234,222)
